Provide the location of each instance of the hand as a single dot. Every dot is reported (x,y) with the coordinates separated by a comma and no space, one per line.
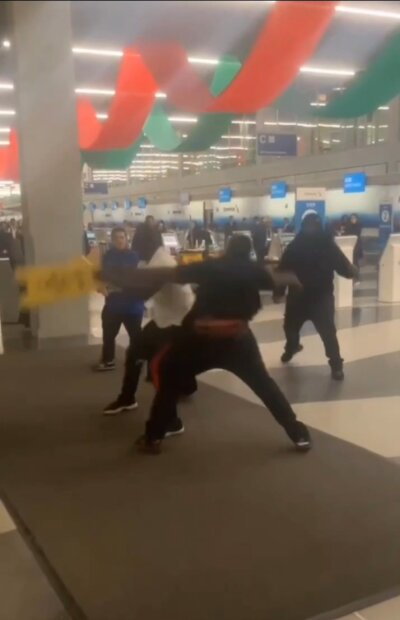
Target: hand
(282,279)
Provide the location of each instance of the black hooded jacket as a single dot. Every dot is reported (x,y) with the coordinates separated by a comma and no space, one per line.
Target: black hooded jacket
(314,258)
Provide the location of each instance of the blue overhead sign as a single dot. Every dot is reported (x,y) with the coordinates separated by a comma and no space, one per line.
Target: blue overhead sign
(355,183)
(277,144)
(279,189)
(225,194)
(142,203)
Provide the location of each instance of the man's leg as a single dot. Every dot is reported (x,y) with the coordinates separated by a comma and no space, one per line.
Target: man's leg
(294,319)
(111,323)
(324,322)
(133,325)
(245,361)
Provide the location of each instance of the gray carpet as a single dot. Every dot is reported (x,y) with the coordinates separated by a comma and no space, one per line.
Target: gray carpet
(228,522)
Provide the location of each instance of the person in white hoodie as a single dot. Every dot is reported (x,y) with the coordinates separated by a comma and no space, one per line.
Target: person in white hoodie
(166,311)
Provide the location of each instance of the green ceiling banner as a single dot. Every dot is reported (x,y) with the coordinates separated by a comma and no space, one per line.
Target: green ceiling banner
(209,128)
(111,160)
(375,86)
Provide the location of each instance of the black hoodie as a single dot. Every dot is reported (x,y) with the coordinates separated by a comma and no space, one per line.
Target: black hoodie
(314,258)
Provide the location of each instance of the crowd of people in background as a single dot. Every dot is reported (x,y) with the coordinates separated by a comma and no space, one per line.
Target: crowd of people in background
(12,242)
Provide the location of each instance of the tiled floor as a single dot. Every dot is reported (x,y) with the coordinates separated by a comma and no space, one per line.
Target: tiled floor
(363,410)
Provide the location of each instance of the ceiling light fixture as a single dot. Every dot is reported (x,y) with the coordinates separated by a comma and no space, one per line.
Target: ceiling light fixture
(239,137)
(244,123)
(317,104)
(183,119)
(5,129)
(6,43)
(352,10)
(327,71)
(4,143)
(4,112)
(101,116)
(94,91)
(6,86)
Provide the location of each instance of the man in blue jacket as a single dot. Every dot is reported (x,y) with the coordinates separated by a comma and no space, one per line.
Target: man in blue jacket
(121,307)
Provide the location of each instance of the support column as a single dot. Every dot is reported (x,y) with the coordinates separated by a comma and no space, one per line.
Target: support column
(41,41)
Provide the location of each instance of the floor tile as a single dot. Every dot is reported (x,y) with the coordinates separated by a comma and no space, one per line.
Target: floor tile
(389,610)
(6,523)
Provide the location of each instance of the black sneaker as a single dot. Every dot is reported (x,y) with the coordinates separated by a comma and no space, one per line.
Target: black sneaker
(120,405)
(287,356)
(337,374)
(104,366)
(148,446)
(175,428)
(300,436)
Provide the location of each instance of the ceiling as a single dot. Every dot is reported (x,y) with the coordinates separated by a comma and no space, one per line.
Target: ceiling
(206,29)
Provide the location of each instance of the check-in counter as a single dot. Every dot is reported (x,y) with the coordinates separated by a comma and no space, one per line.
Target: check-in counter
(389,271)
(344,287)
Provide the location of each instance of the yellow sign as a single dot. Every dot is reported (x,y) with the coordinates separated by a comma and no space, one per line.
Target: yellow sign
(49,285)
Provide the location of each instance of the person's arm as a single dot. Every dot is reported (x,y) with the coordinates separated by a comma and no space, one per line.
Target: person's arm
(341,264)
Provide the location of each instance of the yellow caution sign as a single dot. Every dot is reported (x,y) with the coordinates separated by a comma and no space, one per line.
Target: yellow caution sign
(49,285)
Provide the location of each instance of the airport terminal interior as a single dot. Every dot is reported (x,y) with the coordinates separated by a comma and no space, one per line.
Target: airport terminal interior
(199,202)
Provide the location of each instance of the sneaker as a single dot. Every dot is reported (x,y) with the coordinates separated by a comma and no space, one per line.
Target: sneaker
(104,366)
(337,374)
(287,356)
(120,405)
(300,436)
(176,428)
(148,446)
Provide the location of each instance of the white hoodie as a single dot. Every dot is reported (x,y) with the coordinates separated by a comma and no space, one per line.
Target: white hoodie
(172,302)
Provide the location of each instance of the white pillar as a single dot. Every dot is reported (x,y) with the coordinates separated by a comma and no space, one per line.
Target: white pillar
(41,44)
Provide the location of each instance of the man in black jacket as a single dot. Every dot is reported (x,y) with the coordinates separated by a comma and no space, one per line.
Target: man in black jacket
(314,257)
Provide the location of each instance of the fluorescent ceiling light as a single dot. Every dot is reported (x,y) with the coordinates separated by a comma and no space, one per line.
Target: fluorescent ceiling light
(5,129)
(239,137)
(317,104)
(101,115)
(183,119)
(4,112)
(203,61)
(352,10)
(244,123)
(4,142)
(6,86)
(147,146)
(383,107)
(94,91)
(6,43)
(91,51)
(327,71)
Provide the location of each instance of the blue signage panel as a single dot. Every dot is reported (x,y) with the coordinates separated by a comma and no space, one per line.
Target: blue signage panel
(279,189)
(354,183)
(95,188)
(225,194)
(385,224)
(302,206)
(277,144)
(128,204)
(142,203)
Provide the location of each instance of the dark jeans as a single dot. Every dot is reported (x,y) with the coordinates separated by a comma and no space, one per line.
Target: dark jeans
(321,312)
(112,322)
(151,340)
(193,354)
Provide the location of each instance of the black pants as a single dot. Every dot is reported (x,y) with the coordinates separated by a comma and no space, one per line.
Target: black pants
(192,354)
(151,341)
(112,322)
(321,312)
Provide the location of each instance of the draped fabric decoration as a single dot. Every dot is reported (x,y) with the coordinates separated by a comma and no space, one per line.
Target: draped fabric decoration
(288,38)
(375,86)
(9,159)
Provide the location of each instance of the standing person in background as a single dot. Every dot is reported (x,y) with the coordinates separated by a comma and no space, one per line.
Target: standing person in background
(230,228)
(121,307)
(194,236)
(314,257)
(354,227)
(162,227)
(259,235)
